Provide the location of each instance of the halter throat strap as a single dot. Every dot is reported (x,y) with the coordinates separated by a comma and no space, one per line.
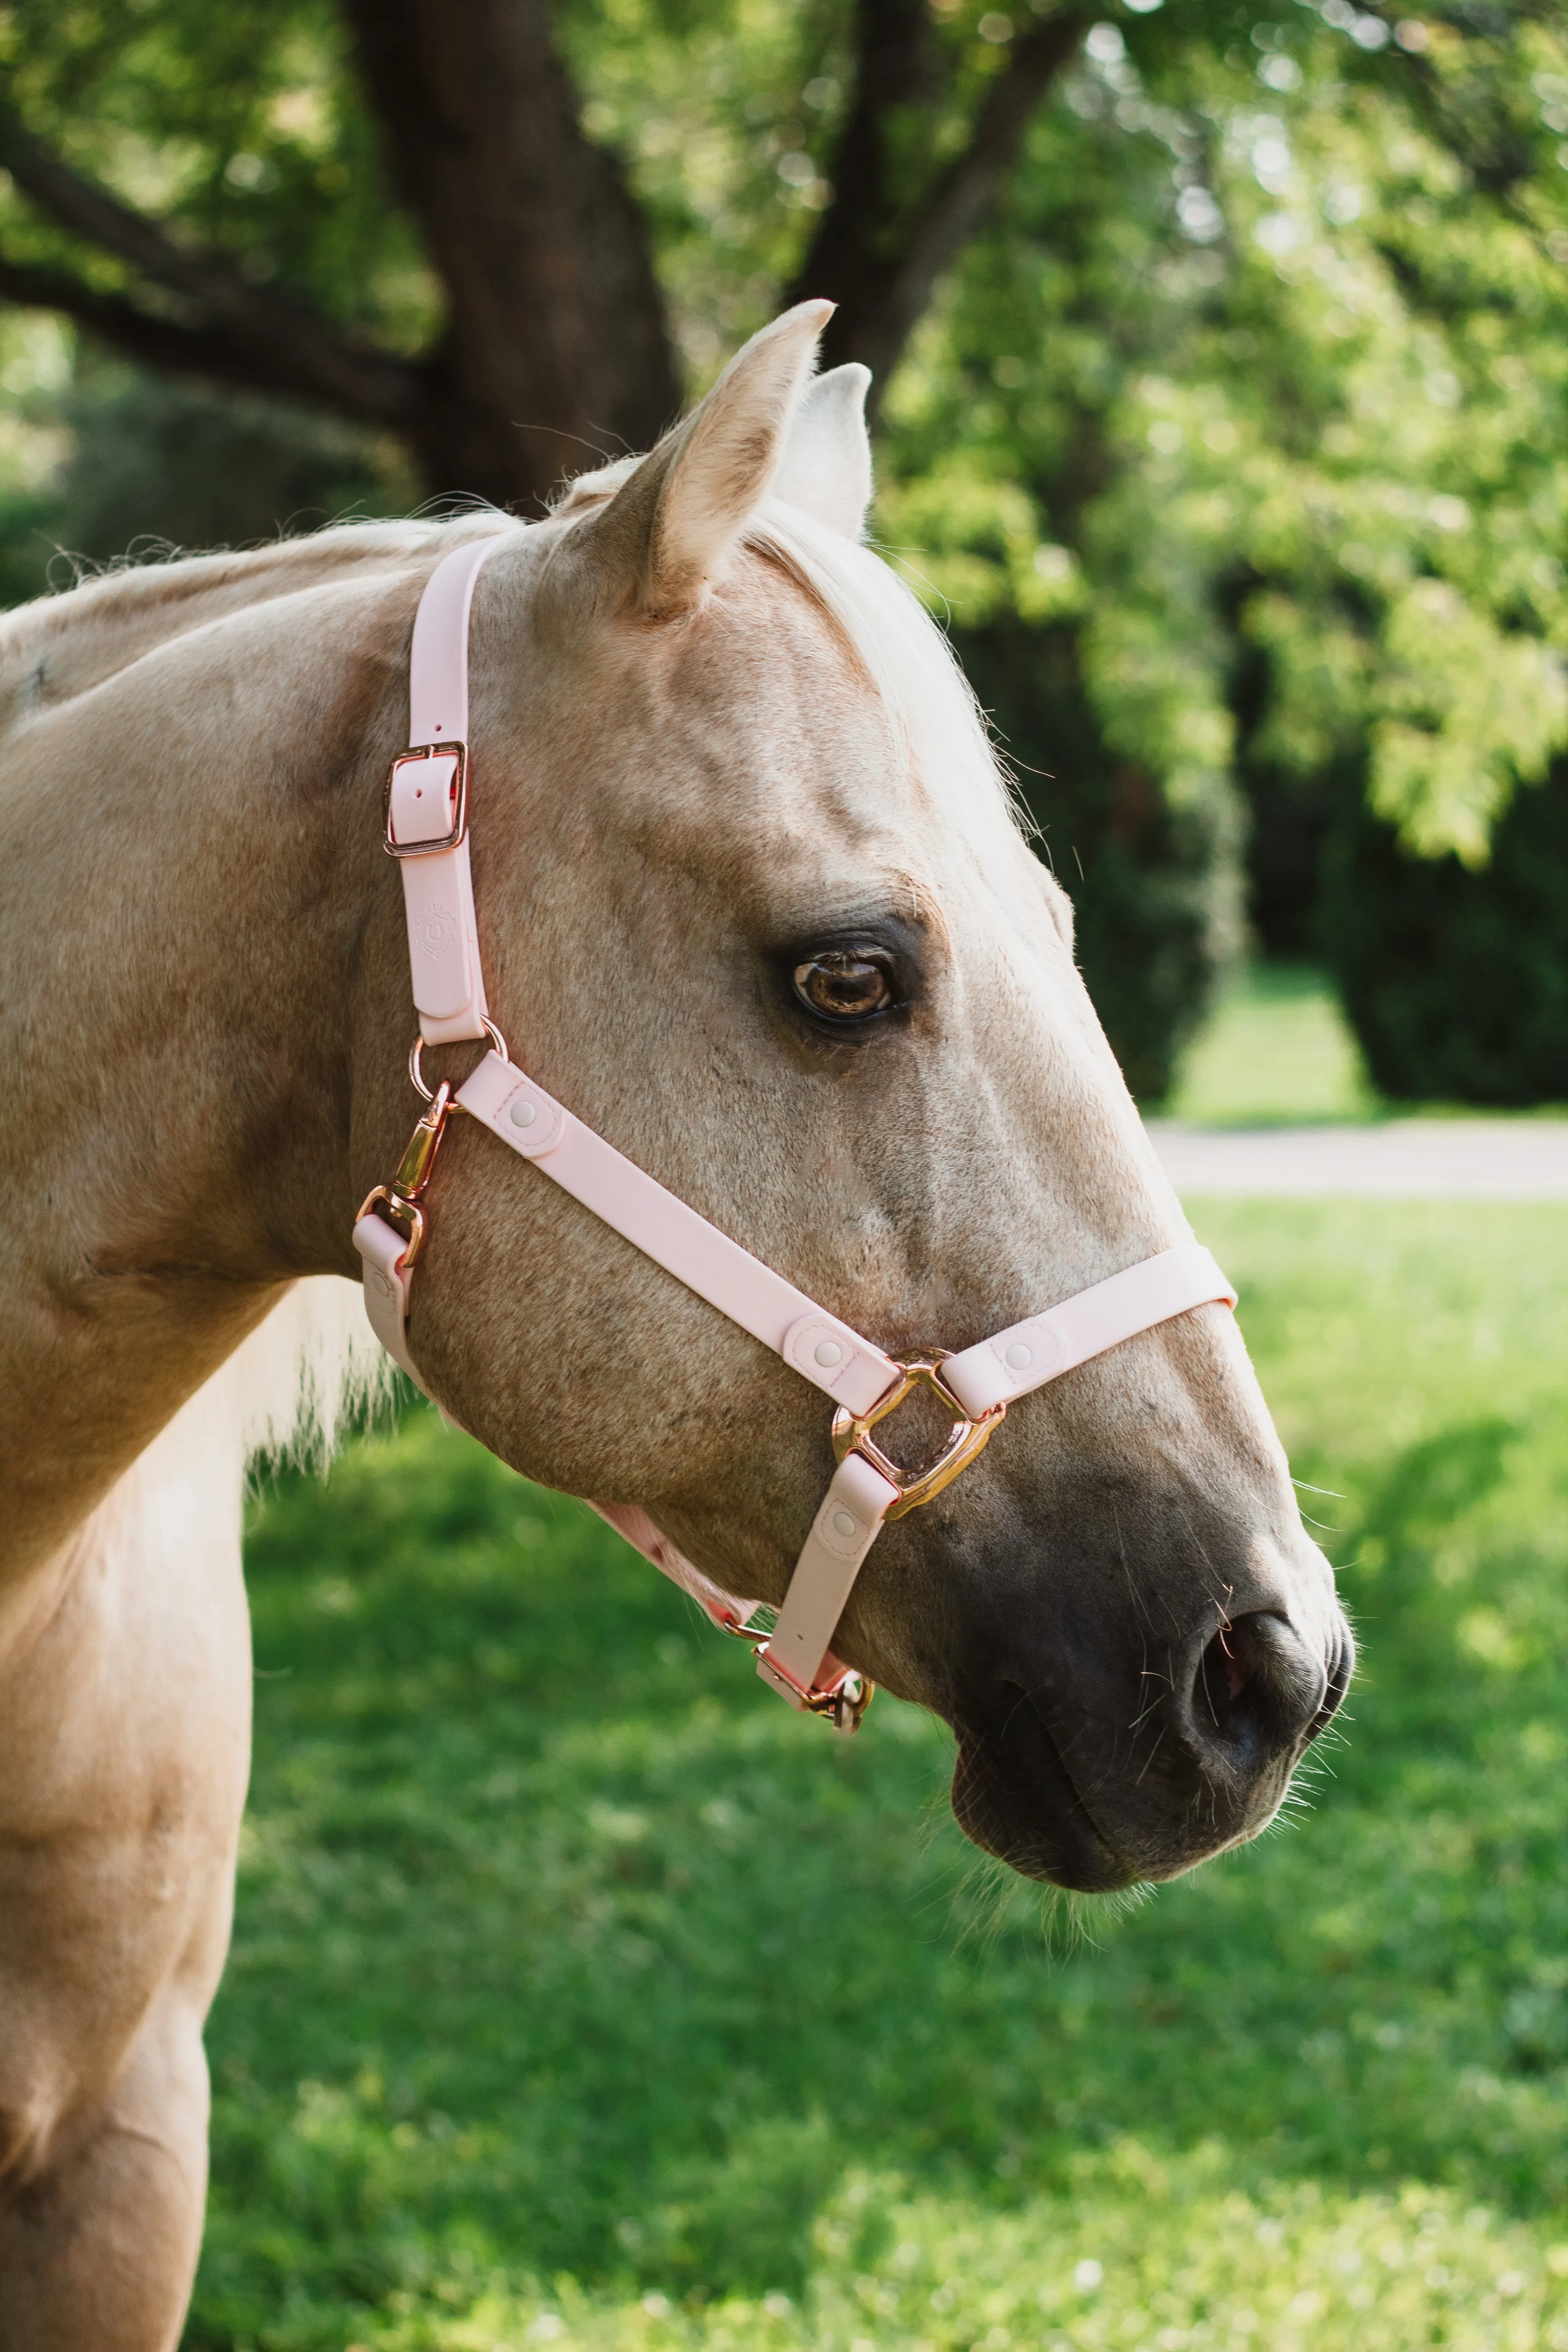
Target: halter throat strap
(426,831)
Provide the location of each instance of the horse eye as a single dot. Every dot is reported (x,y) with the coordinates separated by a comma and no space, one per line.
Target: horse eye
(843,986)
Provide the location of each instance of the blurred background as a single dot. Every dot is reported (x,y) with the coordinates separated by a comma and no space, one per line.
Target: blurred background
(1220,354)
(579,1993)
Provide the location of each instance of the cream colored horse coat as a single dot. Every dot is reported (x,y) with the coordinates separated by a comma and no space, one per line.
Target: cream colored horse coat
(715,744)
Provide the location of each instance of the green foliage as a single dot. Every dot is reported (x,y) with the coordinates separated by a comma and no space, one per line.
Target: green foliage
(97,460)
(1256,391)
(1456,981)
(156,458)
(1153,881)
(581,1991)
(1389,500)
(243,123)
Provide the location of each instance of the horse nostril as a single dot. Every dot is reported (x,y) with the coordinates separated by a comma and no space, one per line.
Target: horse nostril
(1254,1691)
(1230,1668)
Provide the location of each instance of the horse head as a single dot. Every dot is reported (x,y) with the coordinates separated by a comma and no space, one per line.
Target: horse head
(754,905)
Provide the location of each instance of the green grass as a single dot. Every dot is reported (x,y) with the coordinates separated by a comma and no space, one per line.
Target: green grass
(1276,1051)
(583,1994)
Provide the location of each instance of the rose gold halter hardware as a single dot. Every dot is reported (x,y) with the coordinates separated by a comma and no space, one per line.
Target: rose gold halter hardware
(852,1434)
(843,1697)
(416,1055)
(427,808)
(845,1703)
(843,1700)
(454,785)
(399,1202)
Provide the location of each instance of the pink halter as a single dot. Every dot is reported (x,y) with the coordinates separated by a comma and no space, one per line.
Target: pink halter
(427,833)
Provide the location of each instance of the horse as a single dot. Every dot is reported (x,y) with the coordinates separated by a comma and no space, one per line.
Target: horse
(753,901)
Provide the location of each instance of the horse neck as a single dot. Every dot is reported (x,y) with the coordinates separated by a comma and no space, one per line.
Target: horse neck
(189,918)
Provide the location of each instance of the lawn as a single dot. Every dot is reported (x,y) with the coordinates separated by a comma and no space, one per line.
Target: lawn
(582,1993)
(1276,1051)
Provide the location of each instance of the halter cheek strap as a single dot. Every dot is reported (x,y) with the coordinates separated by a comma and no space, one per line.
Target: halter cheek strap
(427,833)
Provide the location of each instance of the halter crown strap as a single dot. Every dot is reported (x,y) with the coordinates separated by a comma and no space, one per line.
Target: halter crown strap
(427,832)
(427,805)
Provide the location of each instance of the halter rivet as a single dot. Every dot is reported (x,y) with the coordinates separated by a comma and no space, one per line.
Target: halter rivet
(1019,1356)
(524,1113)
(843,1524)
(829,1353)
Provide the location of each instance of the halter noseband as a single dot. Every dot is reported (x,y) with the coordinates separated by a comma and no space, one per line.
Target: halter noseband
(427,833)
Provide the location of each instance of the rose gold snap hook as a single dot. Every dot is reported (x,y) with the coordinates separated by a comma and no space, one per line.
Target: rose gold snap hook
(399,1202)
(415,1052)
(852,1434)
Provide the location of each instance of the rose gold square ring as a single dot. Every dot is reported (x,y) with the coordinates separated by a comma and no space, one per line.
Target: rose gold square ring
(852,1434)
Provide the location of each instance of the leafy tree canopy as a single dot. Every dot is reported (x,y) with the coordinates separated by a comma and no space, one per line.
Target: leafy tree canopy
(1268,347)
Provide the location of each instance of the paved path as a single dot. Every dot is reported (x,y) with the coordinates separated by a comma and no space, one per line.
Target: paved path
(1406,1159)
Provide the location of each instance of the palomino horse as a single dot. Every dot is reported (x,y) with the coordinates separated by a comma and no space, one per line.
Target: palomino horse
(752,902)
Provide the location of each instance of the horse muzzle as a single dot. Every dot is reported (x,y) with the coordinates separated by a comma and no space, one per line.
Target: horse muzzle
(1099,1782)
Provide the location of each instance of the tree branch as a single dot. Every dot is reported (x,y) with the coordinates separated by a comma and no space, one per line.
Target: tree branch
(249,335)
(880,261)
(892,43)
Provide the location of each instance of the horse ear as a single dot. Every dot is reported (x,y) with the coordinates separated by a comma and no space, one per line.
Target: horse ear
(826,464)
(668,530)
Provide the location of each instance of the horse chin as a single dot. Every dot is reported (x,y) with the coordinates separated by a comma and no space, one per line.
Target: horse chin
(1014,1797)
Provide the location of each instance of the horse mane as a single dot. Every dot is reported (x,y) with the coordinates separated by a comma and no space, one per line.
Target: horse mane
(909,662)
(306,1374)
(66,643)
(288,1393)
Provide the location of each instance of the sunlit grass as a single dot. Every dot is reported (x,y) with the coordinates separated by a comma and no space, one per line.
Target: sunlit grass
(1276,1051)
(581,1993)
(1134,2253)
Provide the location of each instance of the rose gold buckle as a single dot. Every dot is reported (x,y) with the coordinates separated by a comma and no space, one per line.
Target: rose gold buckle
(417,751)
(843,1697)
(843,1701)
(852,1434)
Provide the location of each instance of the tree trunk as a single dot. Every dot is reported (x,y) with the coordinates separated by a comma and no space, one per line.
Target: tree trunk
(555,351)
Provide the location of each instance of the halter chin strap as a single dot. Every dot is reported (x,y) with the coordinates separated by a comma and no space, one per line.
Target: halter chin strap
(427,833)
